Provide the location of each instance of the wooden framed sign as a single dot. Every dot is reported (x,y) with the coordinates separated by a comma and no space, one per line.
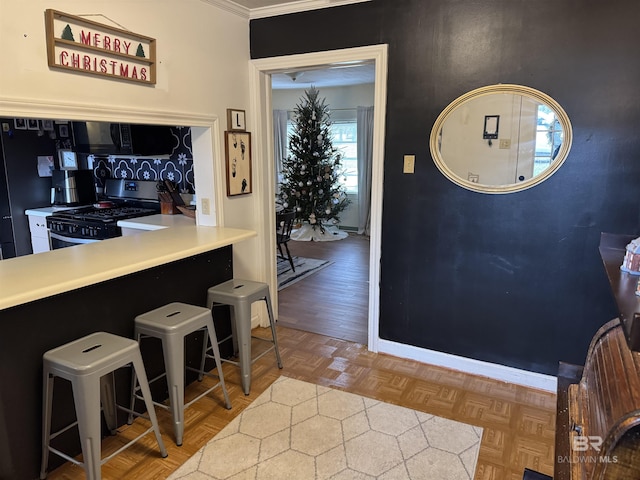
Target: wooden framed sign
(238,162)
(76,44)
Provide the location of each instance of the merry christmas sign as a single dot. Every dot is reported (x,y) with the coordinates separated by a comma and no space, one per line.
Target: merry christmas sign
(80,45)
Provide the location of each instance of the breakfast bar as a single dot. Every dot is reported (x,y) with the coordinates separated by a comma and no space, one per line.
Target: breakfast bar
(52,298)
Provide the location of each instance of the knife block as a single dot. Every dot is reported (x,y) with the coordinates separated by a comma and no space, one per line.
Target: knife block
(168,208)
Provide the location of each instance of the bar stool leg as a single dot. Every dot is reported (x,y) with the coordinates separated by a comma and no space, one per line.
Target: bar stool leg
(205,345)
(272,324)
(173,348)
(139,371)
(134,383)
(240,311)
(216,356)
(108,401)
(46,421)
(86,396)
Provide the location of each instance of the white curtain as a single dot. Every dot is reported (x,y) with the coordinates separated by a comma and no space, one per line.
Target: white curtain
(279,142)
(365,156)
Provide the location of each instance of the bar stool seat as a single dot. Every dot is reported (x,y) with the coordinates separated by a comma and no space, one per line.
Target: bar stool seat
(88,363)
(172,323)
(240,294)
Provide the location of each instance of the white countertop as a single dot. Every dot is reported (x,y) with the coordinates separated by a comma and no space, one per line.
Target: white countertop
(46,211)
(156,222)
(32,277)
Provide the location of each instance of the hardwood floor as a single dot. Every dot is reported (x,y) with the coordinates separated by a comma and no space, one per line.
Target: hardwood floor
(333,301)
(518,422)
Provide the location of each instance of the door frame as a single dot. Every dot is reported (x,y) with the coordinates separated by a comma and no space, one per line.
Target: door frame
(261,121)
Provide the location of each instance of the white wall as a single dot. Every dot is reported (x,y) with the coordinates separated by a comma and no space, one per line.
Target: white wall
(336,98)
(202,69)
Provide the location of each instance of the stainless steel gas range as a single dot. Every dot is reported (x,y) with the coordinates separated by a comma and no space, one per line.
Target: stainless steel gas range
(122,199)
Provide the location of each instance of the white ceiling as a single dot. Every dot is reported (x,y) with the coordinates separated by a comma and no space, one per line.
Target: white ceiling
(336,76)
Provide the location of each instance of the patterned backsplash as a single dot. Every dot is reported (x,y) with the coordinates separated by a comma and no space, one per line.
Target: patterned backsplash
(177,166)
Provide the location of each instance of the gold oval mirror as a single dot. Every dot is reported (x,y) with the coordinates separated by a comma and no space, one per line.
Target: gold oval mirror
(501,138)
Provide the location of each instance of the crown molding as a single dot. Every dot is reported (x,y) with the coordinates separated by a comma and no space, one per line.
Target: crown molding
(298,6)
(229,6)
(281,9)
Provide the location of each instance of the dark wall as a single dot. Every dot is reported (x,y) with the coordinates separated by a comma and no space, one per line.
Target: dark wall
(25,188)
(513,279)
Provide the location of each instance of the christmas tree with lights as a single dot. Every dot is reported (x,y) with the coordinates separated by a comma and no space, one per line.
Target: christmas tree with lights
(311,172)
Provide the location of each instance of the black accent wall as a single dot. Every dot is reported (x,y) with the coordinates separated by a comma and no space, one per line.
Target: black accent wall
(512,279)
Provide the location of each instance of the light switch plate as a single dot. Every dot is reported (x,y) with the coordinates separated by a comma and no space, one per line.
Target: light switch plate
(409,164)
(206,206)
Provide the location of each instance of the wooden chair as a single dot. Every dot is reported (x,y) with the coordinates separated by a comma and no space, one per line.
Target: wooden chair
(284,225)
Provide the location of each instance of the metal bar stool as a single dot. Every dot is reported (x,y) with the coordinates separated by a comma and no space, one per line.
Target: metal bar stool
(172,323)
(88,363)
(240,294)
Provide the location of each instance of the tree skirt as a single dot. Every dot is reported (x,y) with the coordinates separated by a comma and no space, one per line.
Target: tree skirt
(307,233)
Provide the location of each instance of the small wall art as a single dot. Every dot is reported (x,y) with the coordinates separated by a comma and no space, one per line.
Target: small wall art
(238,162)
(236,120)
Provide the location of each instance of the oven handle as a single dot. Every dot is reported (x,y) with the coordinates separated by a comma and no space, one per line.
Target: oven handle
(62,238)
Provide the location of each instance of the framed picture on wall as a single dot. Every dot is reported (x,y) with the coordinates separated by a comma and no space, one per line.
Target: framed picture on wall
(237,147)
(20,123)
(63,131)
(32,124)
(236,120)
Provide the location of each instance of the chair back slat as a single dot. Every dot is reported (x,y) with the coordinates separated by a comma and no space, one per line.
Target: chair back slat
(284,225)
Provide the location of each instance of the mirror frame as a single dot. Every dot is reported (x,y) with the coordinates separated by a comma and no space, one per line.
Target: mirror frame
(529,92)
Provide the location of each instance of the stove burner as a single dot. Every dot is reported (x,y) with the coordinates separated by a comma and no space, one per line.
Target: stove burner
(113,214)
(94,223)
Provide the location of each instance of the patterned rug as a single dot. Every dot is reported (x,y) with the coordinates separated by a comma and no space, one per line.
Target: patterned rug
(296,430)
(304,268)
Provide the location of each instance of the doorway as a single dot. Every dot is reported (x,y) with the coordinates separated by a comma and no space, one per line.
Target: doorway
(261,101)
(326,292)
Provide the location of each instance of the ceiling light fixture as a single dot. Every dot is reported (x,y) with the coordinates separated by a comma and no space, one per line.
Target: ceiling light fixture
(294,75)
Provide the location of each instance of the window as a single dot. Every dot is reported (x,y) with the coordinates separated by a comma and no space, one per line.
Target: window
(548,139)
(345,139)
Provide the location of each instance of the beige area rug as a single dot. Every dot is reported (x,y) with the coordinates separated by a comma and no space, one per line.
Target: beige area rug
(296,430)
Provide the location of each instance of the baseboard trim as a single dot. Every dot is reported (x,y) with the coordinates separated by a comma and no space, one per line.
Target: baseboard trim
(469,365)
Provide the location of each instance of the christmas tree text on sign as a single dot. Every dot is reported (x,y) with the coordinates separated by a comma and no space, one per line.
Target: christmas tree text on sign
(80,45)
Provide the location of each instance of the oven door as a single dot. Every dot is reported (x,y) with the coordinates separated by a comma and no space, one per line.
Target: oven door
(61,241)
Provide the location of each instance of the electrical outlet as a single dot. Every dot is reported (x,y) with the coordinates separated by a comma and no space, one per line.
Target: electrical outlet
(409,164)
(206,206)
(505,143)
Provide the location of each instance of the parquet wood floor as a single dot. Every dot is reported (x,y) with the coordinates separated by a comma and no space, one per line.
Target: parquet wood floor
(518,422)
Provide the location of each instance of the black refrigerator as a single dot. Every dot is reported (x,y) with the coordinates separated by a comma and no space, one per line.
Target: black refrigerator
(21,187)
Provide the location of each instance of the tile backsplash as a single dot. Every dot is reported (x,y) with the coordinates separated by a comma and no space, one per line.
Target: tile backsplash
(176,167)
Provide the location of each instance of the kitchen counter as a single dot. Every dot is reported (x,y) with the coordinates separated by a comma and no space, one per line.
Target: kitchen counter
(156,222)
(46,211)
(32,277)
(52,298)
